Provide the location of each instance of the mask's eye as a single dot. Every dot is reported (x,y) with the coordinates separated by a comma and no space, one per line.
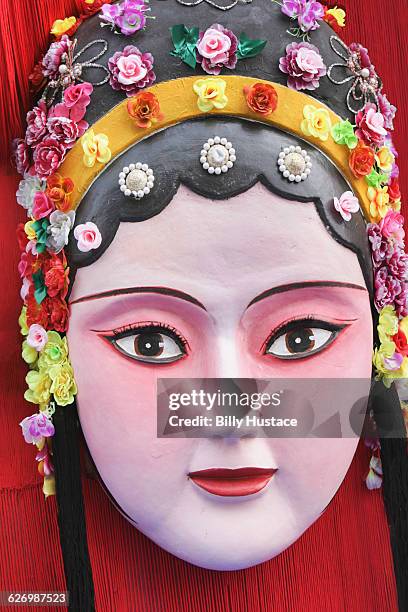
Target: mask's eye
(150,344)
(300,339)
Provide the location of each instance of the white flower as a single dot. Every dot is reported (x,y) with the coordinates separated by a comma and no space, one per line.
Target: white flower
(27,189)
(59,228)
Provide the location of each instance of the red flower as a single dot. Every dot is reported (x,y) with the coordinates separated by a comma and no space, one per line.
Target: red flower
(56,276)
(261,98)
(37,124)
(37,313)
(332,21)
(37,80)
(394,189)
(90,7)
(21,237)
(21,156)
(361,160)
(401,343)
(58,313)
(48,156)
(42,206)
(144,109)
(370,125)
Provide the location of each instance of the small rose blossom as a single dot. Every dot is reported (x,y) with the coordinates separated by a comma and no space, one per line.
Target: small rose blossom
(36,427)
(76,99)
(25,289)
(37,337)
(58,230)
(48,156)
(346,205)
(109,13)
(370,126)
(307,12)
(88,236)
(36,124)
(131,70)
(394,189)
(27,189)
(304,66)
(261,98)
(42,205)
(387,110)
(216,49)
(53,57)
(392,226)
(21,156)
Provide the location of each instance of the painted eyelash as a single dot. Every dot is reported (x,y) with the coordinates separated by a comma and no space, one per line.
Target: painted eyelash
(124,330)
(294,323)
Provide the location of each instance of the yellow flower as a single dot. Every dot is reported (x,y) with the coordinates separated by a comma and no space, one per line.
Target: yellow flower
(39,386)
(30,232)
(96,148)
(316,122)
(385,351)
(63,384)
(22,321)
(29,354)
(387,323)
(339,15)
(385,159)
(379,202)
(61,26)
(211,93)
(55,352)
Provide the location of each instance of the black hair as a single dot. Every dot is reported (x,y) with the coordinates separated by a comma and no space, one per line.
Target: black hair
(174,155)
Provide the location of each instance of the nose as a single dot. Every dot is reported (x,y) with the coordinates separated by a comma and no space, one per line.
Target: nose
(227,362)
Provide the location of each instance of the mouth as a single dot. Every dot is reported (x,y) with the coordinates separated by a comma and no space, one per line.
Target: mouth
(227,482)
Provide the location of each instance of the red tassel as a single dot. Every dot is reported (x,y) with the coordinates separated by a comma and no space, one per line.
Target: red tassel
(24,38)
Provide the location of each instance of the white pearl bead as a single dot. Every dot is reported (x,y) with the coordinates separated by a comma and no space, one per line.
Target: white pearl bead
(203,152)
(127,192)
(123,187)
(233,158)
(217,170)
(286,174)
(138,166)
(206,146)
(286,150)
(203,159)
(224,141)
(229,164)
(307,171)
(149,185)
(291,177)
(206,165)
(134,194)
(298,149)
(307,158)
(132,166)
(217,140)
(122,175)
(145,167)
(211,141)
(228,145)
(281,155)
(224,169)
(308,164)
(126,170)
(146,190)
(292,148)
(298,179)
(149,171)
(303,176)
(122,181)
(211,170)
(365,73)
(232,151)
(140,193)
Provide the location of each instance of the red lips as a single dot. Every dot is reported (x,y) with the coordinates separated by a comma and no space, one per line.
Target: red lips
(233,482)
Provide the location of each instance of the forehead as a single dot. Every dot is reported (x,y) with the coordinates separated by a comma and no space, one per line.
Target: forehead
(243,245)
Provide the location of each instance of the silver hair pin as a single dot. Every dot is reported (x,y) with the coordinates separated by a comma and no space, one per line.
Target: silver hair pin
(294,163)
(217,155)
(136,180)
(218,5)
(365,83)
(70,70)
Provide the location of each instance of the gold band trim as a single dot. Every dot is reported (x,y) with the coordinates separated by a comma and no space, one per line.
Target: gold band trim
(178,102)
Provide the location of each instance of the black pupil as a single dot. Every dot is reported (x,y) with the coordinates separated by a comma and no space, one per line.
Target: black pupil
(300,340)
(149,344)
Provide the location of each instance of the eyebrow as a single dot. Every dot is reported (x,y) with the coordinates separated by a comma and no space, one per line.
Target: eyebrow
(129,290)
(304,285)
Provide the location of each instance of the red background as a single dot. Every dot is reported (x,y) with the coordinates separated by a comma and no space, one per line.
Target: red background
(343,562)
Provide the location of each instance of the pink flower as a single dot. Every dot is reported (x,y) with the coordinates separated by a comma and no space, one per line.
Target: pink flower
(37,337)
(63,127)
(131,70)
(347,204)
(21,156)
(88,237)
(77,98)
(36,124)
(36,427)
(387,110)
(48,156)
(42,206)
(304,65)
(25,289)
(370,124)
(24,265)
(392,226)
(53,57)
(217,48)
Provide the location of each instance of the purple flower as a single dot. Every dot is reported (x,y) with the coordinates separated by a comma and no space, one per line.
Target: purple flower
(394,362)
(109,13)
(131,70)
(130,22)
(308,13)
(217,48)
(387,288)
(360,53)
(304,65)
(381,248)
(36,124)
(397,264)
(53,57)
(387,110)
(36,427)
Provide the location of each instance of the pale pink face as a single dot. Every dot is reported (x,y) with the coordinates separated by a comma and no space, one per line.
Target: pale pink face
(217,318)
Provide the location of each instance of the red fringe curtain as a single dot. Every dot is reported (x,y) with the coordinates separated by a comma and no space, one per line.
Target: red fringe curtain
(343,562)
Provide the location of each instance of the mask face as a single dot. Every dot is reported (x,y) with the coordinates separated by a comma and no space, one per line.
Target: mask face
(205,263)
